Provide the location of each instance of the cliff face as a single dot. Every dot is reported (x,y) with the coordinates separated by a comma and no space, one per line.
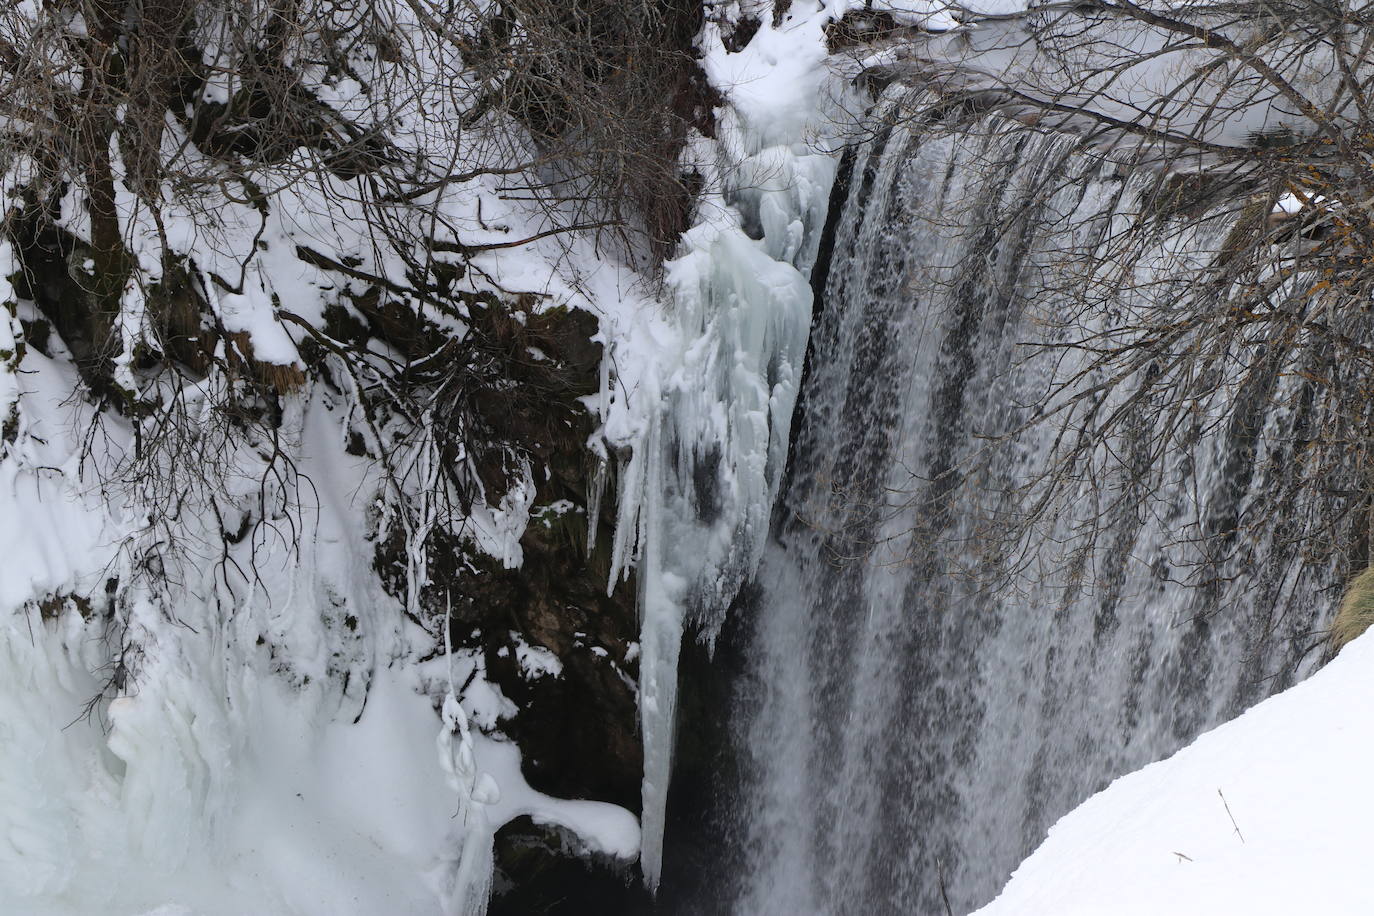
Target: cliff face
(535,631)
(556,637)
(305,373)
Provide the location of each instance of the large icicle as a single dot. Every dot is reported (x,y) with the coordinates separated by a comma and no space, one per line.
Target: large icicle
(713,460)
(705,431)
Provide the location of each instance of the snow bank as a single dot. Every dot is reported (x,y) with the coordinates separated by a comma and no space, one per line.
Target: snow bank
(224,772)
(198,750)
(1267,815)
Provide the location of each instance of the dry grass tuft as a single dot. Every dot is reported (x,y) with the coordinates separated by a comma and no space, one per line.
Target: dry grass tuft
(282,378)
(1357,610)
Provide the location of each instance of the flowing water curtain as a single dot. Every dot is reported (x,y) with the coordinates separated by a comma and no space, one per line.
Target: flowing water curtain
(948,670)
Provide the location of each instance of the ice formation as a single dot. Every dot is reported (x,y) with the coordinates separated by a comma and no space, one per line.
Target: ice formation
(704,432)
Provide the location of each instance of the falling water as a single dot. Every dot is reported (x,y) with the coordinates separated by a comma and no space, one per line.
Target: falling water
(912,720)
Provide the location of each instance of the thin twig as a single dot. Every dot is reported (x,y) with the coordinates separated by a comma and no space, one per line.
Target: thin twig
(1231,816)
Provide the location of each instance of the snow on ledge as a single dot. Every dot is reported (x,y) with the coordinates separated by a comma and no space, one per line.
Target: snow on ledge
(1270,813)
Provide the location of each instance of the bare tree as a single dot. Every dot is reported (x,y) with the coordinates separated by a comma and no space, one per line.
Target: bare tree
(160,159)
(1251,123)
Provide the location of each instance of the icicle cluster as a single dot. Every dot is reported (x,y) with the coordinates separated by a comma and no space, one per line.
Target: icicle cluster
(468,887)
(704,436)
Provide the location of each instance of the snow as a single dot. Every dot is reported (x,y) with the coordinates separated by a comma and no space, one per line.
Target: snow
(536,661)
(772,84)
(600,827)
(261,753)
(1267,814)
(49,527)
(229,777)
(177,809)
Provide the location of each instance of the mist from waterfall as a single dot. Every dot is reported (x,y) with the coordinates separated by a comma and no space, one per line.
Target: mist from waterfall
(925,693)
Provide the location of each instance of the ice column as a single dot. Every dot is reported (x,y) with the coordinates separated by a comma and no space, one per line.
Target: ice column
(698,486)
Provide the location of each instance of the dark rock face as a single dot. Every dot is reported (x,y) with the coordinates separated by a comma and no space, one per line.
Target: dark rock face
(577,730)
(544,870)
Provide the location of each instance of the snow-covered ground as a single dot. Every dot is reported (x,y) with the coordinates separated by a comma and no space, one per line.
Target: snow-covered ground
(1268,815)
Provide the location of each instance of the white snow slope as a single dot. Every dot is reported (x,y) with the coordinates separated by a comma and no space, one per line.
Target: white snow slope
(268,753)
(1268,815)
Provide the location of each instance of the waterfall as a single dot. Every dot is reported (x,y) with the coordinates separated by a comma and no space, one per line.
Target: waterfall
(923,700)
